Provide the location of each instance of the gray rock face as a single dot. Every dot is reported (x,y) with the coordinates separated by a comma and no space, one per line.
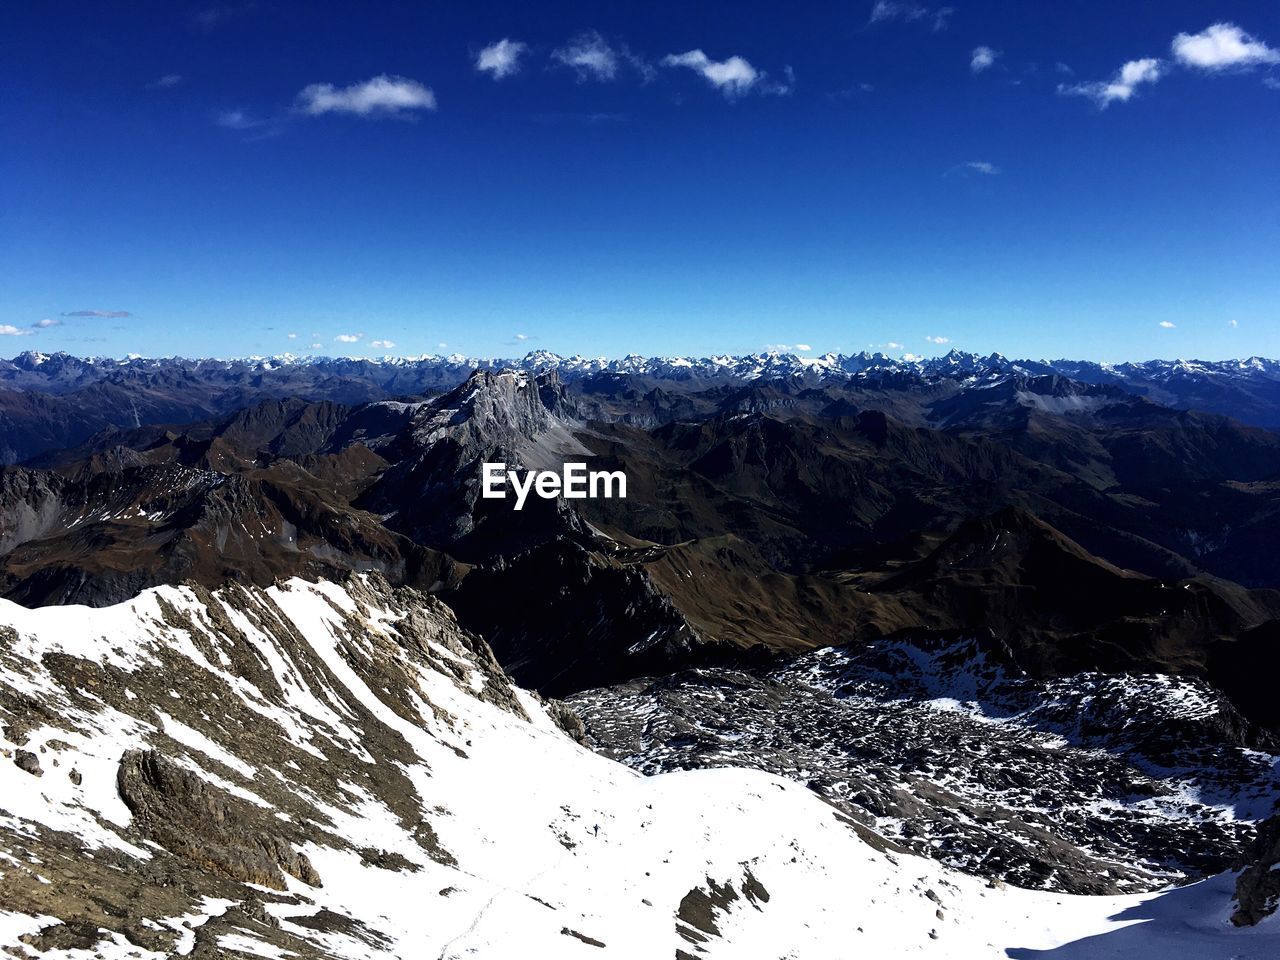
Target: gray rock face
(1258,887)
(28,761)
(202,765)
(195,820)
(432,493)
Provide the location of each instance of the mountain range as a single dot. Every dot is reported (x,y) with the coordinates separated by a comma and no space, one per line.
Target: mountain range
(51,401)
(1022,619)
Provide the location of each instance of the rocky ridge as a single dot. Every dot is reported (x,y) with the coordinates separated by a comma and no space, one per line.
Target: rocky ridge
(338,771)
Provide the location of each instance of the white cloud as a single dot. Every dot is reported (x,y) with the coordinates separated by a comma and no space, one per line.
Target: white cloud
(349,337)
(885,10)
(1222,46)
(590,55)
(938,339)
(1233,323)
(893,346)
(441,346)
(502,59)
(732,77)
(787,348)
(521,337)
(9,330)
(983,167)
(168,80)
(239,120)
(383,94)
(293,336)
(317,346)
(888,10)
(1167,324)
(1120,87)
(382,344)
(983,58)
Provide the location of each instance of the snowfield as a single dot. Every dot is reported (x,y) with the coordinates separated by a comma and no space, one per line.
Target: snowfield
(444,813)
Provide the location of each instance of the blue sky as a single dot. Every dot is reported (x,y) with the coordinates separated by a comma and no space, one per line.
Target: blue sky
(1093,180)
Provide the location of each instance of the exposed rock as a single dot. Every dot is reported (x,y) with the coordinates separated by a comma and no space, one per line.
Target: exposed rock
(567,720)
(76,935)
(28,761)
(1258,887)
(196,820)
(945,749)
(590,941)
(697,914)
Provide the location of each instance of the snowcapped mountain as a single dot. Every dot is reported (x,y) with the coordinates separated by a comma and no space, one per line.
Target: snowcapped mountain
(52,401)
(31,367)
(338,771)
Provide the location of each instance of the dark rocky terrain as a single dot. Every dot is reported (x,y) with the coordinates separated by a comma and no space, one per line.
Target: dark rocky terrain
(1091,783)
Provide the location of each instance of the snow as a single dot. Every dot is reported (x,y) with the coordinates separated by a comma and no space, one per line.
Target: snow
(186,925)
(54,801)
(198,741)
(16,925)
(235,941)
(517,803)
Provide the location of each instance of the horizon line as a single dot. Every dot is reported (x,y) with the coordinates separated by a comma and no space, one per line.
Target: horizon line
(907,357)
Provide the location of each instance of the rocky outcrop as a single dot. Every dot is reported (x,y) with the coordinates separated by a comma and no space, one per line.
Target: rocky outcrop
(194,819)
(1258,886)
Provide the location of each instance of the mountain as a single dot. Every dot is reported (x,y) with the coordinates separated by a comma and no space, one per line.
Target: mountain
(244,497)
(281,672)
(347,774)
(1014,622)
(50,402)
(778,518)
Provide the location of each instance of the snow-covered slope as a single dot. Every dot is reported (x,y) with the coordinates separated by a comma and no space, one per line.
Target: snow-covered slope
(322,770)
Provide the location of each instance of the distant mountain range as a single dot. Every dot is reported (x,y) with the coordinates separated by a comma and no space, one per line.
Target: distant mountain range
(54,401)
(31,368)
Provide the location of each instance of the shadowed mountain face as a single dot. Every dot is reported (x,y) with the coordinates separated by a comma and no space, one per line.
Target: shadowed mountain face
(244,499)
(1079,525)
